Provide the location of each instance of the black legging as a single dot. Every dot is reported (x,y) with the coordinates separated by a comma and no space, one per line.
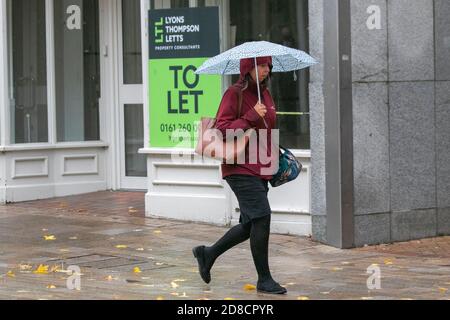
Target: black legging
(258,231)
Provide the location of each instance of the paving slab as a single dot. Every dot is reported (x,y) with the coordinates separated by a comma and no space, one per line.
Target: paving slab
(123,255)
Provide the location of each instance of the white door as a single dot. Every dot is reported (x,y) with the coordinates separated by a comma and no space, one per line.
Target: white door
(133,166)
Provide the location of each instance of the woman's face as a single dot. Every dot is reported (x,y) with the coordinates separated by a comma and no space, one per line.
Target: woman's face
(263,72)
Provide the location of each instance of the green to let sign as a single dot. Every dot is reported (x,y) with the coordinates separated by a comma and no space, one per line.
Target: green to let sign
(178,99)
(180,40)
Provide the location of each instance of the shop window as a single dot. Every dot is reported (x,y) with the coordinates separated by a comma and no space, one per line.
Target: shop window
(284,22)
(179,3)
(29,121)
(132,49)
(77,70)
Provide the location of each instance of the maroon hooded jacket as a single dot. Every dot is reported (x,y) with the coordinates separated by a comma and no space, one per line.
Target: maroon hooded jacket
(227,118)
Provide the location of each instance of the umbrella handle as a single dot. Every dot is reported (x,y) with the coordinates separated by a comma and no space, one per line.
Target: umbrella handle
(257,81)
(259,90)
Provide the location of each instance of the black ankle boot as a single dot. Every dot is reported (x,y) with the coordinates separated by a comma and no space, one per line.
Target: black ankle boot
(270,287)
(199,253)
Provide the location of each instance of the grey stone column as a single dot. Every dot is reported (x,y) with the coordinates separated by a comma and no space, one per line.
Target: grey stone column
(371,122)
(442,87)
(401,86)
(338,120)
(318,195)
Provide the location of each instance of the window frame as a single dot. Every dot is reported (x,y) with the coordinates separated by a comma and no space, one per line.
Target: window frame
(4,74)
(5,112)
(228,79)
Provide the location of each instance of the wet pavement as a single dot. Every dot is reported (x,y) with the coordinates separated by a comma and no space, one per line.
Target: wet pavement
(123,255)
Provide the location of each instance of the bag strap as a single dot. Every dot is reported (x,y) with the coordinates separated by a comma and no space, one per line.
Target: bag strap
(240,104)
(240,98)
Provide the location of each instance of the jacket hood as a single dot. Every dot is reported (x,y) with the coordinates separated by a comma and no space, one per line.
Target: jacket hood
(248,64)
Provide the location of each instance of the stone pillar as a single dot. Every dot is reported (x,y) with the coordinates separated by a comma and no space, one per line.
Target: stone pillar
(318,202)
(401,73)
(442,95)
(338,118)
(370,121)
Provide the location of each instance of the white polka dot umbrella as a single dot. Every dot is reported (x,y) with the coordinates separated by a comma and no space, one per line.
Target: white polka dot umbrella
(284,59)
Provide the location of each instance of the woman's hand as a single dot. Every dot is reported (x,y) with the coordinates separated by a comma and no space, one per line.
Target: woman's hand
(261,109)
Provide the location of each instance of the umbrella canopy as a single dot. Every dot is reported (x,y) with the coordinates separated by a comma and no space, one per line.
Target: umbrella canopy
(284,58)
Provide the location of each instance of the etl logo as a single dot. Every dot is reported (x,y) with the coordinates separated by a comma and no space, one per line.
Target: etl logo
(159,31)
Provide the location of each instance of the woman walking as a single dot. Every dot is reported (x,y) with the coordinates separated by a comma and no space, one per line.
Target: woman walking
(240,109)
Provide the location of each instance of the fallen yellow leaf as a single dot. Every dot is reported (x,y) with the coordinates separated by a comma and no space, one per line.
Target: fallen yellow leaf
(55,269)
(443,290)
(51,286)
(303,298)
(42,269)
(137,270)
(11,274)
(249,287)
(50,238)
(157,231)
(388,262)
(337,269)
(121,246)
(24,267)
(63,271)
(229,299)
(160,298)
